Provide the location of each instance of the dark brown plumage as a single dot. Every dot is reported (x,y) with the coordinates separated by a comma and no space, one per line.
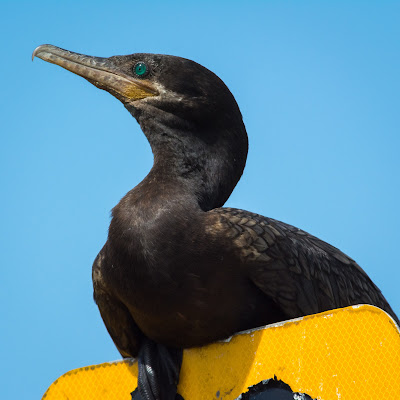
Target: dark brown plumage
(177,268)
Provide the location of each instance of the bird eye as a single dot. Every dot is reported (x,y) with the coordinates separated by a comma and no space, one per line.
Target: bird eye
(140,69)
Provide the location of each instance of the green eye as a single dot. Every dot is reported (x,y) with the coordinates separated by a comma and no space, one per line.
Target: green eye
(140,69)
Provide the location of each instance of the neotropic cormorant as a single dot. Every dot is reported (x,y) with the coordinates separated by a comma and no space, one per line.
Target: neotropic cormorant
(177,268)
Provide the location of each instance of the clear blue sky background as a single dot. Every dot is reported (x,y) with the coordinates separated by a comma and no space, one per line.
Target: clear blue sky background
(318,85)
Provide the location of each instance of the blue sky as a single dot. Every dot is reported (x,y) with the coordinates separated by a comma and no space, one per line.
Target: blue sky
(318,86)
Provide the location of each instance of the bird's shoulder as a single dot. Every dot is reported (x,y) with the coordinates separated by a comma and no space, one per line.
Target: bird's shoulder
(262,235)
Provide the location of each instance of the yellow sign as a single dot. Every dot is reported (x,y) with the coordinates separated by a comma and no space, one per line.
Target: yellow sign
(346,354)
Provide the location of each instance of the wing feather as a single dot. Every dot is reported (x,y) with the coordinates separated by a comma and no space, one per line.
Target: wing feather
(301,273)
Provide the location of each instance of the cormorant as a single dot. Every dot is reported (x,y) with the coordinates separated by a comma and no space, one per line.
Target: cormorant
(177,268)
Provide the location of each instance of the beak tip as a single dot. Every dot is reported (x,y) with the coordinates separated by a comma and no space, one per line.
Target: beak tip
(35,52)
(40,49)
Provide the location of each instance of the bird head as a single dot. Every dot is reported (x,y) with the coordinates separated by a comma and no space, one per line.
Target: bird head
(187,113)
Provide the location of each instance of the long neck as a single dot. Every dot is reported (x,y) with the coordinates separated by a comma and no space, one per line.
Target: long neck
(205,165)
